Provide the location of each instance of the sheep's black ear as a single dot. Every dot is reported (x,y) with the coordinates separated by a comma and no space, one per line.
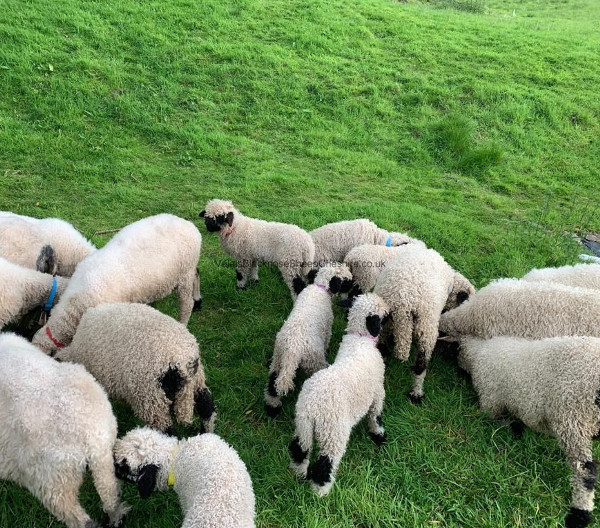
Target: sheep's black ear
(46,261)
(347,285)
(229,218)
(355,291)
(335,285)
(461,297)
(146,480)
(122,470)
(373,323)
(202,213)
(171,382)
(311,275)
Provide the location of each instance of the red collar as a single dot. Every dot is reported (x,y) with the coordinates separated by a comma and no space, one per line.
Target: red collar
(55,341)
(229,231)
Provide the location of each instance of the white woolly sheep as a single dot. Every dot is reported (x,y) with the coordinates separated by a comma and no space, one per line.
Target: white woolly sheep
(54,420)
(251,241)
(366,262)
(552,386)
(146,358)
(579,276)
(144,262)
(418,285)
(49,245)
(333,241)
(303,339)
(335,399)
(23,289)
(211,480)
(535,310)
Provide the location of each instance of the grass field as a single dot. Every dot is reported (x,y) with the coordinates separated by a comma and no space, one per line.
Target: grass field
(473,125)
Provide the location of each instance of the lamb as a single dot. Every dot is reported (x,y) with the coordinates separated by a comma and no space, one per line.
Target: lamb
(304,337)
(49,245)
(144,262)
(54,420)
(211,480)
(146,358)
(333,241)
(366,262)
(23,289)
(579,276)
(251,241)
(418,285)
(517,308)
(552,386)
(335,399)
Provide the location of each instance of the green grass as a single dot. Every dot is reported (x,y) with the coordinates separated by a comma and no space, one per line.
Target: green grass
(474,128)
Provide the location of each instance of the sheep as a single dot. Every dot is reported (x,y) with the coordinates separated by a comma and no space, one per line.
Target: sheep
(333,241)
(251,241)
(23,289)
(335,399)
(49,245)
(552,386)
(579,276)
(211,480)
(418,285)
(144,262)
(366,262)
(519,308)
(304,337)
(54,420)
(146,358)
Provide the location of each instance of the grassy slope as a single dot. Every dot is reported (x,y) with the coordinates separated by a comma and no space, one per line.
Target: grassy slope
(309,112)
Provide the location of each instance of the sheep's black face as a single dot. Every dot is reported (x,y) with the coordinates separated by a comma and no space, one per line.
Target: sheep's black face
(215,223)
(373,324)
(123,471)
(346,286)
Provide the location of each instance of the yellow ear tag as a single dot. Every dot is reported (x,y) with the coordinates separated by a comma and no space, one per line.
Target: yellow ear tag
(171,479)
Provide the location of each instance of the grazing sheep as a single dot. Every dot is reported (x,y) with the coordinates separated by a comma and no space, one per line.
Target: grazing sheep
(146,358)
(211,480)
(49,245)
(54,420)
(333,241)
(251,241)
(552,386)
(23,289)
(304,337)
(335,399)
(519,308)
(418,285)
(144,262)
(579,276)
(366,262)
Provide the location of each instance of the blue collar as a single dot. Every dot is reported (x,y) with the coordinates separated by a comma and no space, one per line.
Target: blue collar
(388,242)
(50,301)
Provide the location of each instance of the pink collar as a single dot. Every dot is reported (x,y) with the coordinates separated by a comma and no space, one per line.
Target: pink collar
(53,339)
(360,334)
(323,288)
(229,231)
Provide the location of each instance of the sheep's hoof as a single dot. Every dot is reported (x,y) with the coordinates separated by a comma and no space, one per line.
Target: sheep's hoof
(107,524)
(273,412)
(517,428)
(197,305)
(379,439)
(416,399)
(241,287)
(578,518)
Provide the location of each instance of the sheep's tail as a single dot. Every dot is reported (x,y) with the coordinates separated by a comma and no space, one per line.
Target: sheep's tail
(46,261)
